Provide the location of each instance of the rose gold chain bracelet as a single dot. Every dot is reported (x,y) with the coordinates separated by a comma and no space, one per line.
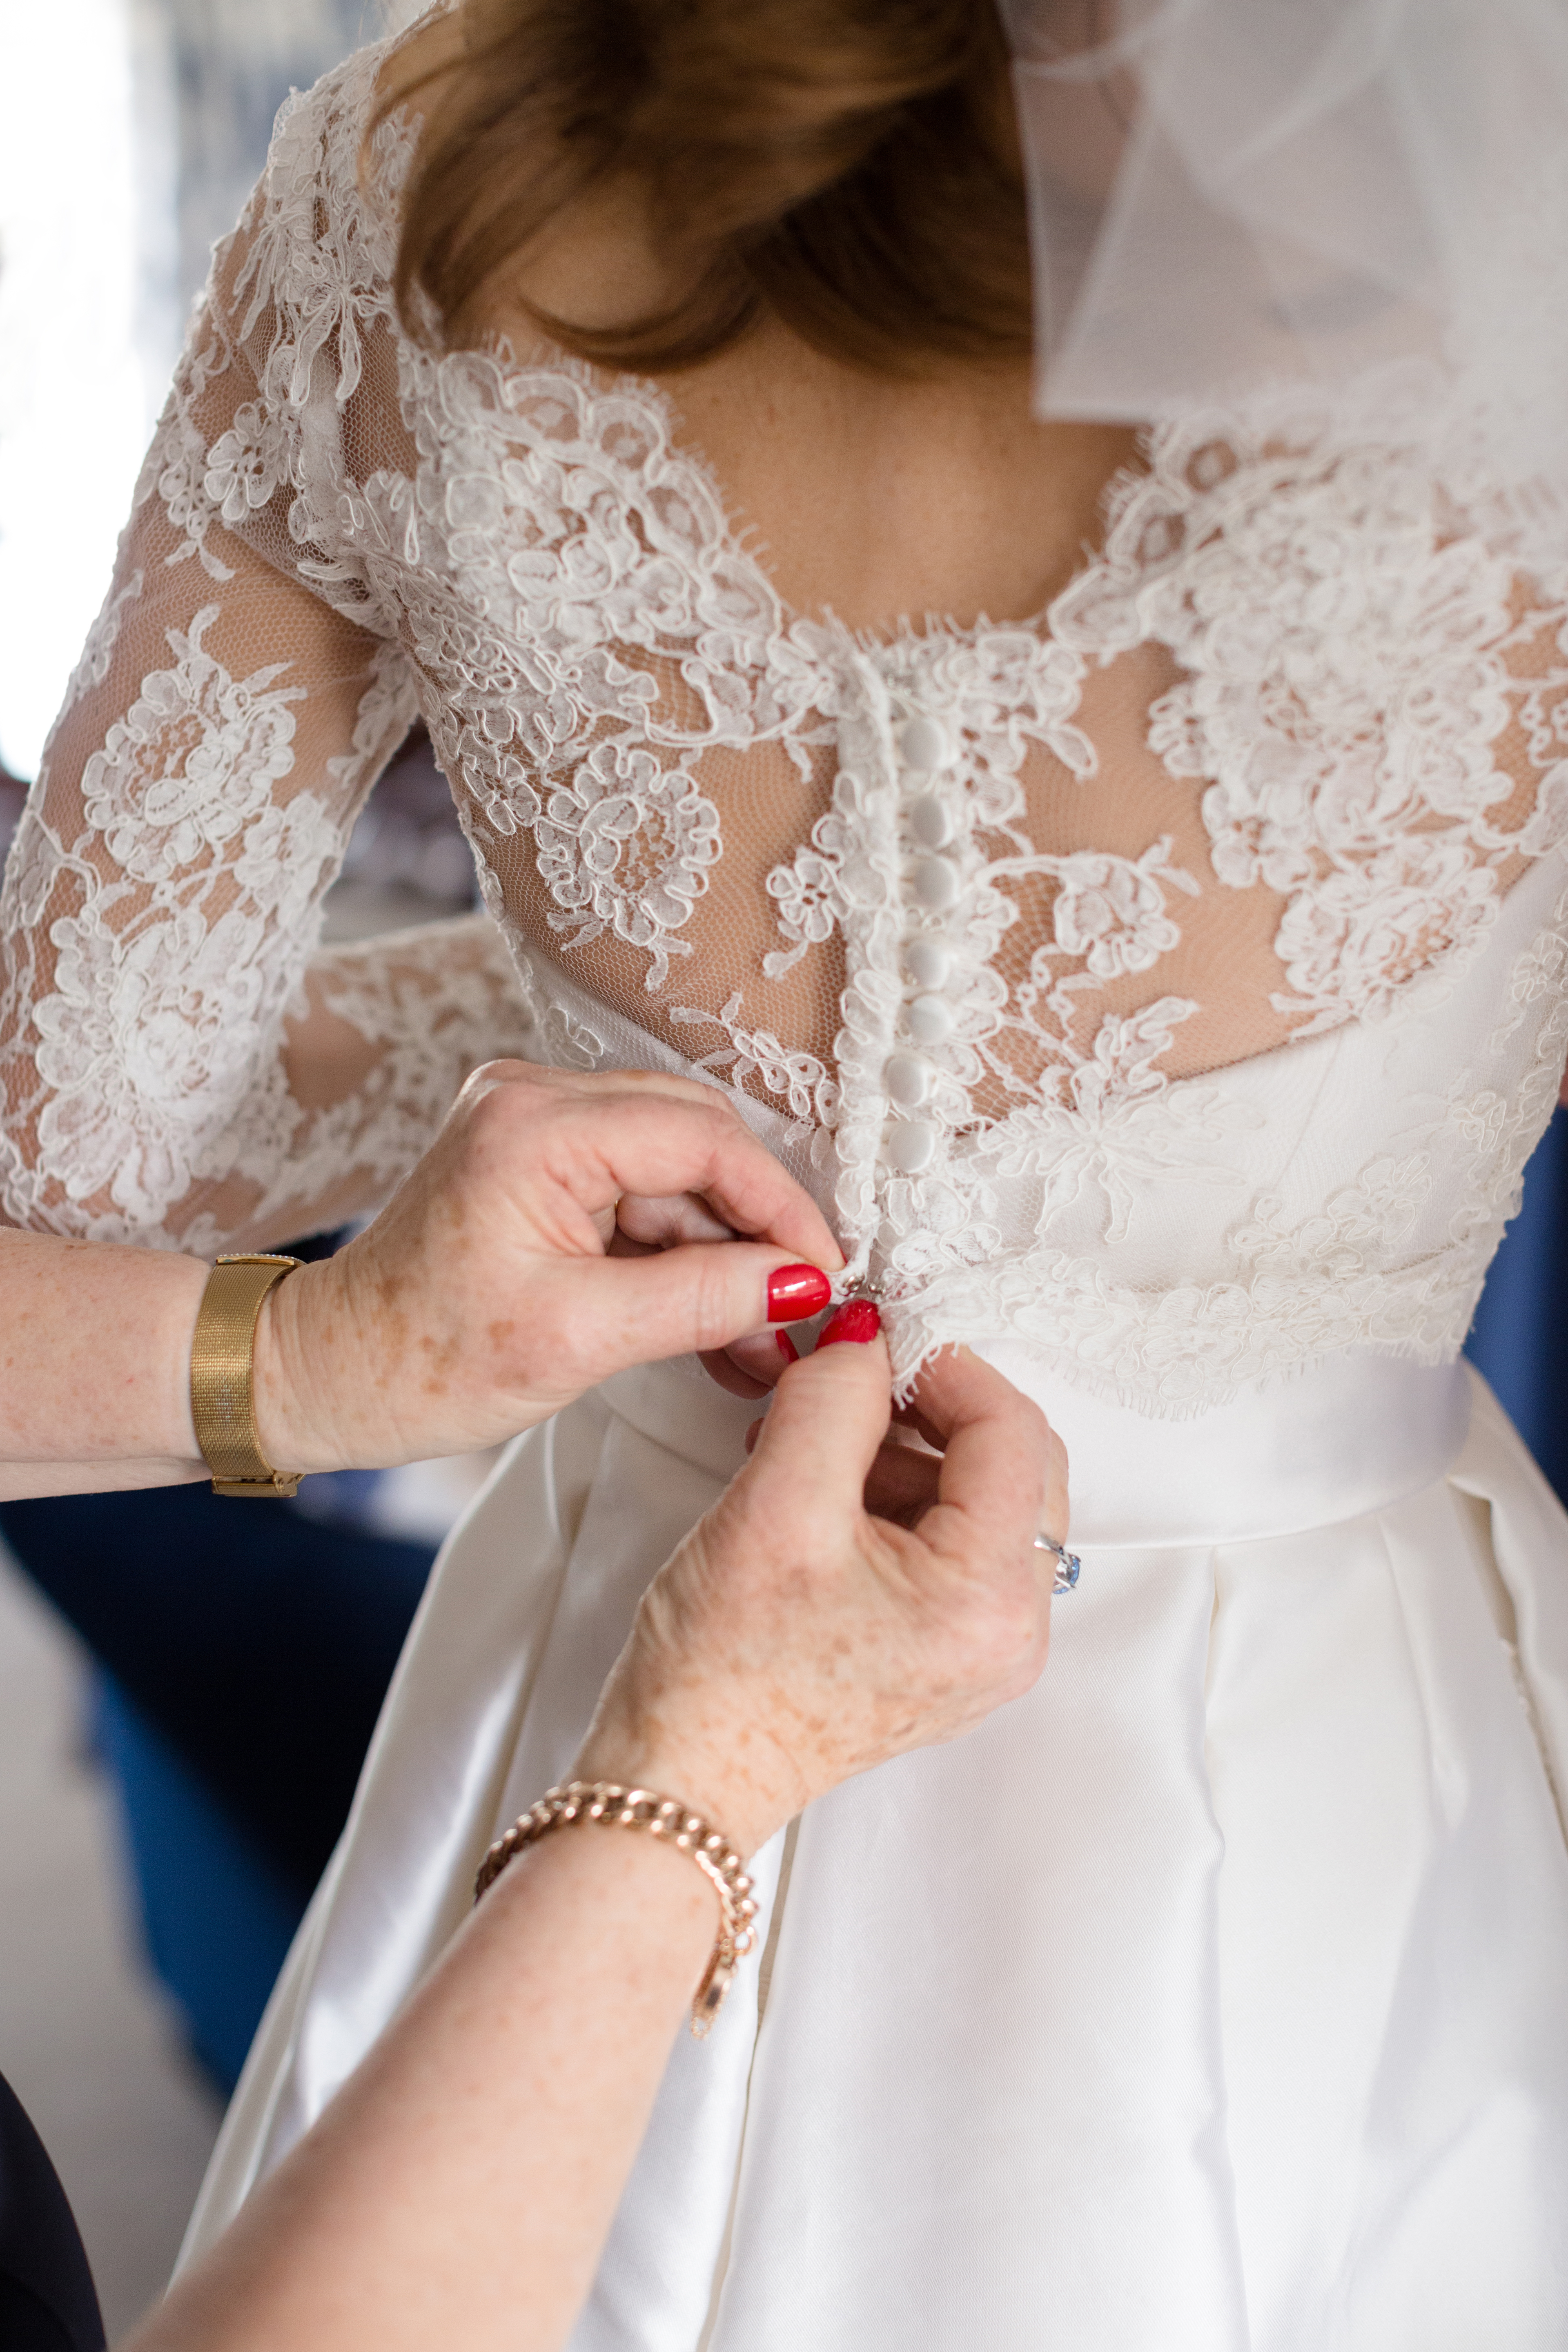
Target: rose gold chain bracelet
(644,1809)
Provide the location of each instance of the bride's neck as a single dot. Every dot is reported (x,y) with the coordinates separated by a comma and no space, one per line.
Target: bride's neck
(870,494)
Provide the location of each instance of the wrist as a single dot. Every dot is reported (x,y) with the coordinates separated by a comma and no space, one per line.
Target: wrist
(182,1286)
(602,1863)
(298,1343)
(718,1781)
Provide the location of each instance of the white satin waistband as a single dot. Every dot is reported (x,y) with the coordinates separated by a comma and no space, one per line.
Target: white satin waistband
(1346,1436)
(675,1406)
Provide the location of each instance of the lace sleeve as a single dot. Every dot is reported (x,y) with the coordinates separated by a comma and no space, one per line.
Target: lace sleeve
(177,1063)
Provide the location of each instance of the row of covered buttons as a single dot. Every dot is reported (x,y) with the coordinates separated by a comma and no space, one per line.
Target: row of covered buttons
(924,750)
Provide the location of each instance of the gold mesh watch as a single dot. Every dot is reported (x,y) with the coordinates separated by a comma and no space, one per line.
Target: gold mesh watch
(223,1354)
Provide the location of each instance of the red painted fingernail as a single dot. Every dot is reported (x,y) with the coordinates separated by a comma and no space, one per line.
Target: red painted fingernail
(856,1319)
(787,1348)
(797,1291)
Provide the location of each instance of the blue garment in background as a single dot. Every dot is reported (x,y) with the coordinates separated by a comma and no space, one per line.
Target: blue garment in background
(258,1643)
(217,1917)
(1515,1341)
(245,1651)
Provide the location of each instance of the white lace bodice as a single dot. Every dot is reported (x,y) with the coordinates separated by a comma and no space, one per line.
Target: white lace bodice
(1175,980)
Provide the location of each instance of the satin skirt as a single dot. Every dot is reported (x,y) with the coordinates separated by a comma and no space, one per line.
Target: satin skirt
(1212,1998)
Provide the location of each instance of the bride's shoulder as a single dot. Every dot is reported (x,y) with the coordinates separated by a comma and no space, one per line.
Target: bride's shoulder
(322,223)
(327,215)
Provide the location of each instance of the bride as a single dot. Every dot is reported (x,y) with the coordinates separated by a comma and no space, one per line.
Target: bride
(1023,637)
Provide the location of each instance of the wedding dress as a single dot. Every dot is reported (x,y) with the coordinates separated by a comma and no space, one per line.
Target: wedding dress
(1162,996)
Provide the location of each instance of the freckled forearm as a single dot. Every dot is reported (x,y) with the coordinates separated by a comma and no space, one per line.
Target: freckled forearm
(95,1346)
(503,2110)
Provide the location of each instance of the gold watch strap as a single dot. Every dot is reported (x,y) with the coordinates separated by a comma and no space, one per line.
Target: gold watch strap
(222,1353)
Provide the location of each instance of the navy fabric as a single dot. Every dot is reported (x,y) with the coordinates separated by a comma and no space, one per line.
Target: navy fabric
(247,1650)
(1516,1339)
(256,1642)
(216,1918)
(48,2303)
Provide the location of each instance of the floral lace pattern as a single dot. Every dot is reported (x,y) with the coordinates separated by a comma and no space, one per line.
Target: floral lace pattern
(1062,1006)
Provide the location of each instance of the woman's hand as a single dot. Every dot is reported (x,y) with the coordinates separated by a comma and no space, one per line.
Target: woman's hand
(795,1640)
(791,1642)
(560,1228)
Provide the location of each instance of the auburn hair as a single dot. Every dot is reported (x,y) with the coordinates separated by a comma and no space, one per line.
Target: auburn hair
(849,166)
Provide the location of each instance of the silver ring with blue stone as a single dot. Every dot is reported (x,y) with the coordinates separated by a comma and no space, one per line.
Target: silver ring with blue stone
(1068,1563)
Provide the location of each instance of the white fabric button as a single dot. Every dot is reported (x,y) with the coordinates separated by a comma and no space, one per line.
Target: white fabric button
(936,884)
(923,745)
(928,963)
(930,821)
(908,1080)
(931,1020)
(911,1146)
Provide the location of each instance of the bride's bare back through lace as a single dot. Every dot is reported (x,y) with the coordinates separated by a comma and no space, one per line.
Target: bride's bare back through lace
(1015,930)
